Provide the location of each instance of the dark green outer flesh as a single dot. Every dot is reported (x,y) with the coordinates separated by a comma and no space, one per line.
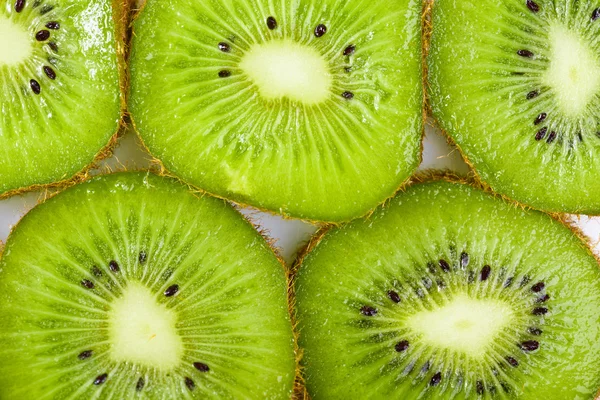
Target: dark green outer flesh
(49,137)
(350,356)
(478,88)
(331,162)
(231,308)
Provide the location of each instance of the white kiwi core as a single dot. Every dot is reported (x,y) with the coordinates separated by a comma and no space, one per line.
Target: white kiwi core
(574,71)
(143,332)
(464,325)
(283,68)
(15,43)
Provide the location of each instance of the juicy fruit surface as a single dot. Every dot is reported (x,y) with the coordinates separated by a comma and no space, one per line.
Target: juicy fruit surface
(517,85)
(59,85)
(307,108)
(449,293)
(130,286)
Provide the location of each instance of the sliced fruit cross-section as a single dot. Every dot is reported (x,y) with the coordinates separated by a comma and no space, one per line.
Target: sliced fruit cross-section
(130,286)
(450,293)
(311,109)
(59,87)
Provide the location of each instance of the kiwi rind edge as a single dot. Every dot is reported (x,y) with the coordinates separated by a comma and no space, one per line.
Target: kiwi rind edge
(121,16)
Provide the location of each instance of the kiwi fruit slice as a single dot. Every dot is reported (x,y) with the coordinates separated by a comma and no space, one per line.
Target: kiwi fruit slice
(59,87)
(309,109)
(130,286)
(450,293)
(516,84)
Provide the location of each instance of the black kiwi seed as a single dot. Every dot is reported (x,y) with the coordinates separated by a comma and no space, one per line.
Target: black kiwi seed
(96,271)
(435,379)
(402,346)
(508,281)
(525,53)
(394,296)
(53,25)
(19,5)
(480,387)
(114,267)
(140,384)
(368,311)
(142,257)
(533,94)
(320,30)
(224,47)
(512,361)
(540,311)
(349,50)
(444,265)
(201,367)
(189,383)
(86,283)
(596,14)
(535,331)
(529,345)
(271,23)
(53,46)
(485,272)
(551,137)
(540,118)
(541,134)
(464,259)
(49,72)
(543,299)
(172,290)
(42,35)
(85,354)
(538,287)
(533,6)
(348,95)
(100,379)
(35,86)
(579,136)
(224,73)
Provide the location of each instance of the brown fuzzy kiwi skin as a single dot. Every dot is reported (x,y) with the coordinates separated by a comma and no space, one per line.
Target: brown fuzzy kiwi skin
(121,17)
(301,392)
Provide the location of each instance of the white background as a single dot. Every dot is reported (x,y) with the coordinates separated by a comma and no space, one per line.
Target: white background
(289,235)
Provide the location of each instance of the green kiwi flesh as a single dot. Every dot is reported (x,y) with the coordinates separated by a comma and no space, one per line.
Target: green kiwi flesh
(450,293)
(516,84)
(59,88)
(310,109)
(130,286)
